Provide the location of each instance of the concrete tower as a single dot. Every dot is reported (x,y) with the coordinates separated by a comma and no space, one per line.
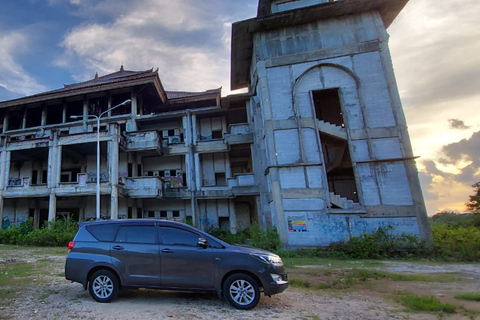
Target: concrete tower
(332,153)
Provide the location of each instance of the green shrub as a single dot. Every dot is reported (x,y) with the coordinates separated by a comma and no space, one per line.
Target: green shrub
(253,235)
(380,244)
(456,243)
(10,235)
(56,233)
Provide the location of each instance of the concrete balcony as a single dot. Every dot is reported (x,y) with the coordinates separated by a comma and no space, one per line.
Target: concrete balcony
(213,145)
(243,184)
(29,140)
(26,190)
(239,133)
(177,193)
(82,189)
(142,141)
(143,187)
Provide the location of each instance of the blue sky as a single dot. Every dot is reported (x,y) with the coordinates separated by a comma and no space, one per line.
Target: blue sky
(434,45)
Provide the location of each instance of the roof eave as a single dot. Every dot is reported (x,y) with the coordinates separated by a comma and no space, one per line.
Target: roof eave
(87,90)
(216,95)
(243,31)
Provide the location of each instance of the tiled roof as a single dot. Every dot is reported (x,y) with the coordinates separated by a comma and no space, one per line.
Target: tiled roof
(171,95)
(122,75)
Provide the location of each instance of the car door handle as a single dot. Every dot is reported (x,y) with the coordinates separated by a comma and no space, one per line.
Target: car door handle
(167,250)
(118,248)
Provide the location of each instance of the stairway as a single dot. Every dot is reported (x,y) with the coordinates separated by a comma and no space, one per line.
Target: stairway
(343,203)
(332,130)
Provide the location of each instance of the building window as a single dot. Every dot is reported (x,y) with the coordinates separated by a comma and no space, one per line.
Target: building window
(220,179)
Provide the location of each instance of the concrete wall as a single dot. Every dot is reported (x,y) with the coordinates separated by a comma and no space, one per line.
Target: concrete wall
(347,54)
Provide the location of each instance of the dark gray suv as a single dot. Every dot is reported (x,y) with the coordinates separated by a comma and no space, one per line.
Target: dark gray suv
(106,256)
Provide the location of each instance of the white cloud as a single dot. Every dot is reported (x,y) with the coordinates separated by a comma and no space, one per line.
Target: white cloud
(12,75)
(188,43)
(434,46)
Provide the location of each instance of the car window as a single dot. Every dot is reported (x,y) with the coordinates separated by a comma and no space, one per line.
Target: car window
(103,232)
(178,237)
(136,234)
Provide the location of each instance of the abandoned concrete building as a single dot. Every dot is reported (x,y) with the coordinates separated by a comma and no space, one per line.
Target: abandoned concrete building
(317,147)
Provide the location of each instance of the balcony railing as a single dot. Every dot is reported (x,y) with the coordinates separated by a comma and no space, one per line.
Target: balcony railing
(143,187)
(140,141)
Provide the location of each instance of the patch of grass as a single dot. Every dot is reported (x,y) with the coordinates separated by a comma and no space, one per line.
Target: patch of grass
(13,273)
(323,286)
(294,262)
(424,303)
(365,274)
(299,283)
(6,295)
(468,296)
(420,277)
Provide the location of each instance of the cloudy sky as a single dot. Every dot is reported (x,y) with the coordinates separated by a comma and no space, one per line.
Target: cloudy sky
(434,45)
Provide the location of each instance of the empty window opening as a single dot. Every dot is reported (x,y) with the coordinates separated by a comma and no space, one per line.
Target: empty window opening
(34,117)
(15,120)
(34,177)
(116,100)
(97,105)
(340,173)
(217,134)
(328,107)
(240,156)
(74,108)
(220,179)
(69,175)
(55,114)
(163,214)
(44,176)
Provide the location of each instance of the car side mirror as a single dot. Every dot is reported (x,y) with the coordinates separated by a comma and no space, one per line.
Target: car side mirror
(202,243)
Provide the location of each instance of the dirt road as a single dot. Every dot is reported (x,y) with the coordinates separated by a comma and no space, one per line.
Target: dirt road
(52,297)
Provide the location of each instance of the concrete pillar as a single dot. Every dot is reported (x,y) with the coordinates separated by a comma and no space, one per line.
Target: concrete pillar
(233,217)
(279,215)
(53,174)
(113,164)
(85,112)
(131,123)
(52,206)
(43,122)
(5,122)
(3,175)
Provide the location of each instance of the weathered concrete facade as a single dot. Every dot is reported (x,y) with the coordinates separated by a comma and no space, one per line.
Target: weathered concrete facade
(167,155)
(334,152)
(318,147)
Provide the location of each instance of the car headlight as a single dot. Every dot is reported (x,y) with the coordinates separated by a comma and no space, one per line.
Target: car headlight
(270,259)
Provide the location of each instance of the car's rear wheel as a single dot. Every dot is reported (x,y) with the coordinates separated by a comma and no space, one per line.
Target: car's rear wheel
(103,286)
(241,291)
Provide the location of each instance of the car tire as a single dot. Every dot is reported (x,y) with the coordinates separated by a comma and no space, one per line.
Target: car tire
(103,286)
(241,291)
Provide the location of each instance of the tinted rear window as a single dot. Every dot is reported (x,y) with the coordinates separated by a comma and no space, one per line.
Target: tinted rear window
(137,234)
(103,232)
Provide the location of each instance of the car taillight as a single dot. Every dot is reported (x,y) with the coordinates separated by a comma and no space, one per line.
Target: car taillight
(70,245)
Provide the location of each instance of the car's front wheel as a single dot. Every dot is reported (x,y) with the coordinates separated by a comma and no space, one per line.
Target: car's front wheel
(103,286)
(241,291)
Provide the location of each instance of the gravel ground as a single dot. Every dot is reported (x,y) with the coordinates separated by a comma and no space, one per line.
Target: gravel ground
(52,297)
